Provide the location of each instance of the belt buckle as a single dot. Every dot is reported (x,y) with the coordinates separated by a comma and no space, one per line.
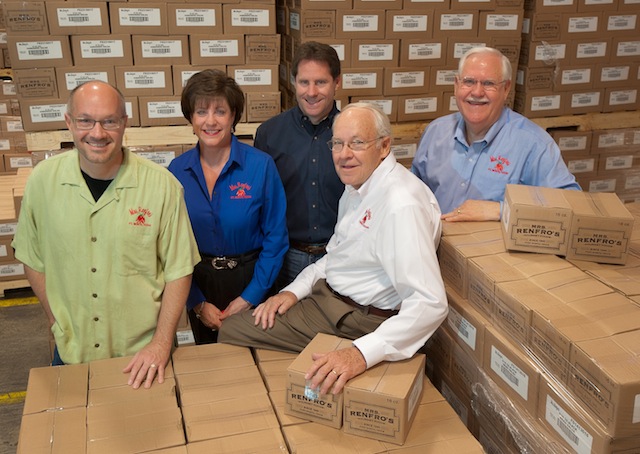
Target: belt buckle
(221,263)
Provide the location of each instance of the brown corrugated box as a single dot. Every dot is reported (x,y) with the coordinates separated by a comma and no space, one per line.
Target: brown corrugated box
(187,18)
(381,403)
(304,402)
(78,17)
(25,18)
(30,51)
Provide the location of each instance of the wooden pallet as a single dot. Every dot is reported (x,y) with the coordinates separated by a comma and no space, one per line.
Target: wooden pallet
(13,285)
(167,135)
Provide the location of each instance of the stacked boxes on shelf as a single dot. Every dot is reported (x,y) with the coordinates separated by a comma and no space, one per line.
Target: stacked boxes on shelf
(579,56)
(539,353)
(604,160)
(147,49)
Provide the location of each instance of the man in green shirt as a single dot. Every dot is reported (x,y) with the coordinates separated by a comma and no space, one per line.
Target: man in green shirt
(106,242)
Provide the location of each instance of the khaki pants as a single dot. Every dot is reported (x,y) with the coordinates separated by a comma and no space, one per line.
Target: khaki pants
(320,312)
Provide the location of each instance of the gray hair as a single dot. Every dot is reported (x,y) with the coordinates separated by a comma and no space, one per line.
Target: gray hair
(381,121)
(506,64)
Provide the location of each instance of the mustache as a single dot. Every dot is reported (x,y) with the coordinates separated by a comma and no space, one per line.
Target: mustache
(474,99)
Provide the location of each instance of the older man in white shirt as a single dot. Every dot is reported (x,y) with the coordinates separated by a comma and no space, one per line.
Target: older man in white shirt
(379,283)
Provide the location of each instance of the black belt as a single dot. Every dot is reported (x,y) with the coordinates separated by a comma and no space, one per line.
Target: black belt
(309,248)
(230,262)
(366,309)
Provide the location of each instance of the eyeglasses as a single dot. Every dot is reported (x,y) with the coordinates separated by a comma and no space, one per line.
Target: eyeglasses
(86,124)
(355,145)
(488,85)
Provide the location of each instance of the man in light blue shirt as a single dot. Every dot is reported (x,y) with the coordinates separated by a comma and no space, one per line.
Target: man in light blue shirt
(467,158)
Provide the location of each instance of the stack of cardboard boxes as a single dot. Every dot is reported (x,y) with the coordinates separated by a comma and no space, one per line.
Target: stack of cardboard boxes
(221,398)
(605,160)
(539,353)
(11,189)
(147,49)
(579,56)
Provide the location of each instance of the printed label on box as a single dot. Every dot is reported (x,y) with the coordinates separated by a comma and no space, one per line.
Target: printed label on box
(41,50)
(250,17)
(47,113)
(510,373)
(72,80)
(461,326)
(195,17)
(165,109)
(104,48)
(219,48)
(144,17)
(359,23)
(74,17)
(162,48)
(567,427)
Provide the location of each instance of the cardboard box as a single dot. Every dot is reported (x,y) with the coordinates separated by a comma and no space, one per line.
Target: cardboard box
(536,219)
(456,23)
(43,114)
(419,107)
(306,403)
(421,52)
(266,441)
(361,82)
(381,403)
(69,77)
(585,101)
(256,19)
(512,370)
(262,106)
(601,227)
(161,111)
(409,25)
(91,50)
(466,325)
(375,53)
(133,110)
(313,437)
(141,80)
(311,24)
(138,18)
(222,50)
(31,51)
(157,50)
(605,380)
(235,415)
(15,161)
(6,250)
(25,18)
(56,388)
(202,358)
(187,18)
(274,374)
(538,104)
(55,431)
(262,49)
(611,75)
(78,17)
(582,25)
(163,155)
(107,373)
(420,5)
(572,141)
(35,83)
(360,24)
(616,100)
(543,53)
(573,427)
(405,147)
(256,77)
(507,22)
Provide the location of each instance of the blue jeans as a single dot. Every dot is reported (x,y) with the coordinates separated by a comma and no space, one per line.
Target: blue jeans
(57,361)
(294,262)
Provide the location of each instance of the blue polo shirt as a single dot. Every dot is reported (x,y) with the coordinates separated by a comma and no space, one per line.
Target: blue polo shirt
(247,211)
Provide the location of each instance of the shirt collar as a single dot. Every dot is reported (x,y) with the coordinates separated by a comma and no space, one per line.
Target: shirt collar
(302,119)
(236,155)
(126,176)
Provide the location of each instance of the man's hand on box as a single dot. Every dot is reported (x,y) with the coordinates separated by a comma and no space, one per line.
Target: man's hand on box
(146,364)
(332,370)
(474,210)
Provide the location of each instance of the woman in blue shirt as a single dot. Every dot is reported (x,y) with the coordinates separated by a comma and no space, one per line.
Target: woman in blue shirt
(236,204)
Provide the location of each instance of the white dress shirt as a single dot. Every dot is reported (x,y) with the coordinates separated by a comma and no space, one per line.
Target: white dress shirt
(383,253)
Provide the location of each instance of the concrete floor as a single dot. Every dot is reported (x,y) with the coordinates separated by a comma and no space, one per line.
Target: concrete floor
(24,337)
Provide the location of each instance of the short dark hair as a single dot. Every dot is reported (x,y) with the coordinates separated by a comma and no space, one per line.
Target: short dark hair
(320,52)
(208,85)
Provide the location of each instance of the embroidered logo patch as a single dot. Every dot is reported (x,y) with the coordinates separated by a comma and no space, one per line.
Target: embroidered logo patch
(366,218)
(140,216)
(241,191)
(500,165)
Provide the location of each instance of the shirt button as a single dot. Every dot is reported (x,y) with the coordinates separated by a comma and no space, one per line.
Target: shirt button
(313,160)
(93,239)
(313,205)
(96,345)
(93,270)
(95,319)
(313,183)
(95,295)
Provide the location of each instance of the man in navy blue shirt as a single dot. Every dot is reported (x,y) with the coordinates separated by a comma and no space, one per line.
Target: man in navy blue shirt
(296,139)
